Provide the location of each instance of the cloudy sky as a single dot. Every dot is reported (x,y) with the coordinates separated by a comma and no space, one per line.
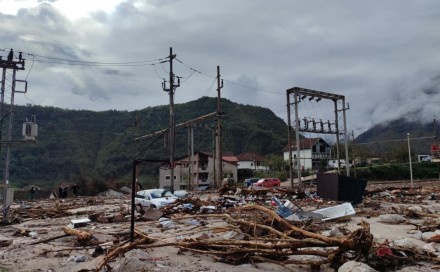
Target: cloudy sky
(383,56)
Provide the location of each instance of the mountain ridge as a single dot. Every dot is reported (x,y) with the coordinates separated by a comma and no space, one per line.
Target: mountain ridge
(84,145)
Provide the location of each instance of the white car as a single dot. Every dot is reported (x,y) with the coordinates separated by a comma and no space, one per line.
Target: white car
(154,198)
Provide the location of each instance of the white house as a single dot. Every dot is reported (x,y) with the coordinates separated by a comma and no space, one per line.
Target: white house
(199,171)
(251,160)
(311,153)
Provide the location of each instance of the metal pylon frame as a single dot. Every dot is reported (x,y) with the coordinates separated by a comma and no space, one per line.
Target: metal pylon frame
(298,94)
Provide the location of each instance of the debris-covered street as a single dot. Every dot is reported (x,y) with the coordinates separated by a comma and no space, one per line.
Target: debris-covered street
(232,229)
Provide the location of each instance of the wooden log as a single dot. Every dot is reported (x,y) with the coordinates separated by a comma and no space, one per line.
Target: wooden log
(83,237)
(50,239)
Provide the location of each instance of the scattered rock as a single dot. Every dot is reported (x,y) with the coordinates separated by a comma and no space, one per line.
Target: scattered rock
(132,264)
(353,266)
(403,243)
(391,218)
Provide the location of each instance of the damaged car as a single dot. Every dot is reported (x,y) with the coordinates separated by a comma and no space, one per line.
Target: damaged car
(155,198)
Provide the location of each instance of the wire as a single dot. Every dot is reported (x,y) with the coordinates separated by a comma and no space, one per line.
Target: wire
(30,69)
(33,103)
(95,64)
(155,140)
(155,70)
(210,87)
(79,62)
(185,78)
(164,68)
(193,69)
(229,81)
(252,88)
(395,140)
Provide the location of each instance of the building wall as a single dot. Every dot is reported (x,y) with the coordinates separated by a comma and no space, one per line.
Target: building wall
(201,172)
(251,165)
(307,156)
(165,178)
(304,155)
(230,171)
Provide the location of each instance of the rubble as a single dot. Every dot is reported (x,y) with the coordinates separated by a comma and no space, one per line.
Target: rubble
(241,229)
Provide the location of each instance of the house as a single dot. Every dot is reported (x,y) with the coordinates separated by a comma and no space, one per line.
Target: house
(312,151)
(251,160)
(199,171)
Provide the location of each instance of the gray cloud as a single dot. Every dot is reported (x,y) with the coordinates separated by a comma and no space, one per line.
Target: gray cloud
(381,55)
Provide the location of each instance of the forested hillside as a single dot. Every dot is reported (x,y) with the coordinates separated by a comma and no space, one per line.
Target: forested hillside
(390,138)
(85,146)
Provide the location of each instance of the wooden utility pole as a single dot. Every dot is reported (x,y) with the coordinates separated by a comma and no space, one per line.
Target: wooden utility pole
(190,156)
(218,134)
(172,128)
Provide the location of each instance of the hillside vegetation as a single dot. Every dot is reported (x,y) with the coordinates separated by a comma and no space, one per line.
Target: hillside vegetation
(90,147)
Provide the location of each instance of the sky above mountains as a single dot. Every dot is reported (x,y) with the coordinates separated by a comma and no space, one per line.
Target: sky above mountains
(100,55)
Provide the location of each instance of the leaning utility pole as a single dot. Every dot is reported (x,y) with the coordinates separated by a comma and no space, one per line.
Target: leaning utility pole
(218,134)
(14,65)
(171,90)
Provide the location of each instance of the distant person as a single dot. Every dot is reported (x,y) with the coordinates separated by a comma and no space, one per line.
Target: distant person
(60,192)
(33,189)
(65,189)
(75,189)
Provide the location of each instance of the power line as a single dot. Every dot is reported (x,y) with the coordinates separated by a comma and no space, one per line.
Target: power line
(395,140)
(230,81)
(142,62)
(65,61)
(253,88)
(96,64)
(193,69)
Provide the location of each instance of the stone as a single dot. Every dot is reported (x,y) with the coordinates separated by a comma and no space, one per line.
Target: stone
(132,264)
(392,218)
(353,266)
(79,259)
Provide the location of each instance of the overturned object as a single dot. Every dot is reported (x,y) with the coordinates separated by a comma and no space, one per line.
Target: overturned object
(78,223)
(325,214)
(336,212)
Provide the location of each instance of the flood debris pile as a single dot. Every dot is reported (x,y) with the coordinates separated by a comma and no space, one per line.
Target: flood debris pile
(251,234)
(404,195)
(236,227)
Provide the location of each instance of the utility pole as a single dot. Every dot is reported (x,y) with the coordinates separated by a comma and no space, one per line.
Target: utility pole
(337,135)
(298,148)
(410,163)
(171,90)
(190,155)
(218,135)
(347,159)
(14,65)
(352,153)
(289,139)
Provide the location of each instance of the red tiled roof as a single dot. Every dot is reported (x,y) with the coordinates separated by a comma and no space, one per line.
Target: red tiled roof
(250,156)
(306,143)
(232,159)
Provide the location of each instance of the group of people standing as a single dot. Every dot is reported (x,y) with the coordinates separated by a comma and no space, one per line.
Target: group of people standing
(63,191)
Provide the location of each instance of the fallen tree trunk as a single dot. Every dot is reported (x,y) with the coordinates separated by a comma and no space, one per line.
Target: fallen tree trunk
(84,238)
